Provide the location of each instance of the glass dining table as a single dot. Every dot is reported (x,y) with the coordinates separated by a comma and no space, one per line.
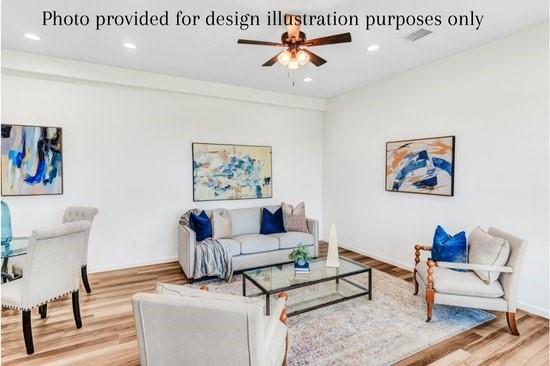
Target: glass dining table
(15,248)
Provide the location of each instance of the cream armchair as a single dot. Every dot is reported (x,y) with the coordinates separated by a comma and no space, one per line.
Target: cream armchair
(179,325)
(441,285)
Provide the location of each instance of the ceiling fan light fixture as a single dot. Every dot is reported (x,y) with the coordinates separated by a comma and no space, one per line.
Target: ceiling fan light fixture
(293,64)
(284,58)
(302,58)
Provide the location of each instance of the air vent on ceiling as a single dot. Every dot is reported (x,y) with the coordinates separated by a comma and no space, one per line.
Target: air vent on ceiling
(415,36)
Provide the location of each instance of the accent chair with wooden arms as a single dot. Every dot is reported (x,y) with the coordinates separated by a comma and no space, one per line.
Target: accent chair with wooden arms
(441,285)
(179,325)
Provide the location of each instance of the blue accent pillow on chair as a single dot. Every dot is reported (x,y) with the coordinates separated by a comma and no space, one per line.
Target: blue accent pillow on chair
(447,248)
(272,223)
(201,225)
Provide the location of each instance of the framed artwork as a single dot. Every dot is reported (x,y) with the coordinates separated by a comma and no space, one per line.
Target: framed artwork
(231,172)
(421,166)
(32,160)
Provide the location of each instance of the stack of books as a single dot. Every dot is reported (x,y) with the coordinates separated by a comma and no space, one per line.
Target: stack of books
(301,270)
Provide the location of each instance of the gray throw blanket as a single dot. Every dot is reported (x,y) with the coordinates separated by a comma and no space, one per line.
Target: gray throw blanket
(212,257)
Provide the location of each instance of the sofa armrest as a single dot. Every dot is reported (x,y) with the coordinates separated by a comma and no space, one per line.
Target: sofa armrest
(313,229)
(186,249)
(475,267)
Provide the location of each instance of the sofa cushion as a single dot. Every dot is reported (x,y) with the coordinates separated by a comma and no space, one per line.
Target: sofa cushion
(221,224)
(447,248)
(489,250)
(201,225)
(292,239)
(234,246)
(272,222)
(294,218)
(459,283)
(257,243)
(245,220)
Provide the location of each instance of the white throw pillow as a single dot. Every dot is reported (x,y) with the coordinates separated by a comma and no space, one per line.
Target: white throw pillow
(221,224)
(489,250)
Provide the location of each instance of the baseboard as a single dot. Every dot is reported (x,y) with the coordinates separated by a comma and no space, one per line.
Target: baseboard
(545,313)
(132,265)
(378,257)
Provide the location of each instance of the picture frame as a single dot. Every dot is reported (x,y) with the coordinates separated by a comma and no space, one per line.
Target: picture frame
(47,165)
(421,166)
(219,171)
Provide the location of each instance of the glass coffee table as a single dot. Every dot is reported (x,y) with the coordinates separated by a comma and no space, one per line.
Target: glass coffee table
(323,286)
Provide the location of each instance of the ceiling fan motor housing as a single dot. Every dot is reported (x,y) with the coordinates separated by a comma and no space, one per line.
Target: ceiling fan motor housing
(290,41)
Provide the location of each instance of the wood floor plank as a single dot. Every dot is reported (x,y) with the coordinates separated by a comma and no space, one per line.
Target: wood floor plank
(108,334)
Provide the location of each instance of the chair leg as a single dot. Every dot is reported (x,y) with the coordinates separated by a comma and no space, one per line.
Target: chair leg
(76,310)
(84,273)
(415,283)
(430,292)
(27,331)
(43,310)
(511,319)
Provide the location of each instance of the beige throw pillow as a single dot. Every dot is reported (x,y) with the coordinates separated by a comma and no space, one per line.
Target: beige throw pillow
(489,250)
(294,219)
(221,224)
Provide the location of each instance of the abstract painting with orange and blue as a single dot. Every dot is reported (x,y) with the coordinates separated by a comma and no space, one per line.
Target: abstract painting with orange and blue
(421,166)
(32,160)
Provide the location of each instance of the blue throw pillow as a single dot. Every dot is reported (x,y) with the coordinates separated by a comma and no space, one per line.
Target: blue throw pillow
(447,248)
(272,223)
(201,225)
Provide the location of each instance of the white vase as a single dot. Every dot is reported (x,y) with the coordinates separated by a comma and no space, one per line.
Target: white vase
(332,255)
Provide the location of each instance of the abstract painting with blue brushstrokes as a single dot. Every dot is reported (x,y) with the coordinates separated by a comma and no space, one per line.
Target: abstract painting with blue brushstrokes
(231,172)
(32,160)
(421,166)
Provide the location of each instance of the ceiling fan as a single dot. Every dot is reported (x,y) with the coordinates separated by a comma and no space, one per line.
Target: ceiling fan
(295,41)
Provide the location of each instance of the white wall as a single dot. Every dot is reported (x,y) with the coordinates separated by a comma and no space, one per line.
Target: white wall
(127,151)
(495,100)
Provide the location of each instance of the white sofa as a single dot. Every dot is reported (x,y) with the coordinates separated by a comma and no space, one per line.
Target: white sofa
(249,248)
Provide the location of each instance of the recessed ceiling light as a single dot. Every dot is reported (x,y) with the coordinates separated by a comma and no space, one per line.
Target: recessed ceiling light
(308,80)
(129,45)
(34,37)
(373,47)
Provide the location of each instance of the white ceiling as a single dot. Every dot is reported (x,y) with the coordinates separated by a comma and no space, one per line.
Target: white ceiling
(211,53)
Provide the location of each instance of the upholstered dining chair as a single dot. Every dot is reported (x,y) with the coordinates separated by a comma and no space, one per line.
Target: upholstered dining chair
(441,285)
(179,325)
(52,270)
(75,213)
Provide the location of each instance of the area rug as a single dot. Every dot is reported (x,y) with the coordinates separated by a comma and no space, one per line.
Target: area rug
(383,331)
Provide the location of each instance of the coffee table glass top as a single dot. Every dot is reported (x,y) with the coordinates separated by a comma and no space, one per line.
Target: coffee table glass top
(281,277)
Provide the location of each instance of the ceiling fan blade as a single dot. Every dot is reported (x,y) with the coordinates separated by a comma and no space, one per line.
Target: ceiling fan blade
(292,29)
(314,59)
(261,43)
(272,60)
(337,38)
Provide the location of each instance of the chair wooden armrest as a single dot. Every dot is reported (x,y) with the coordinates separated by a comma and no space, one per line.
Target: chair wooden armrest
(417,249)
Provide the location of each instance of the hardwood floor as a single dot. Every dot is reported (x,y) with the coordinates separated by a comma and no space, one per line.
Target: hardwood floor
(108,334)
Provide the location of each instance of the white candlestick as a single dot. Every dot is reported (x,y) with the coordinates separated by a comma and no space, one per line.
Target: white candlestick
(332,255)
